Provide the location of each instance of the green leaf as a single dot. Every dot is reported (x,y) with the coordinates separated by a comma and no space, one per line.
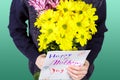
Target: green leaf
(36,75)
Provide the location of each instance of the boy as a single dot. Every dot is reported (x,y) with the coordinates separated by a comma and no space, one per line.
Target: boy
(21,11)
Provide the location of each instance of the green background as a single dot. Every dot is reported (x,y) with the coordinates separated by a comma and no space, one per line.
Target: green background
(13,65)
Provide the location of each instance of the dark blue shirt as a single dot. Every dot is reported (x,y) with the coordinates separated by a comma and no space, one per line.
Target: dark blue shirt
(21,11)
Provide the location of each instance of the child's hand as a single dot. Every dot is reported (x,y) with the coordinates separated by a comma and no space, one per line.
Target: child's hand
(40,61)
(77,72)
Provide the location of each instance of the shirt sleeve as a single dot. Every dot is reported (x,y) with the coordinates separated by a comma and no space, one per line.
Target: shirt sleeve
(18,30)
(96,43)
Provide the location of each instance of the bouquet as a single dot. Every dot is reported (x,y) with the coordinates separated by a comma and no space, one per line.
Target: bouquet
(67,26)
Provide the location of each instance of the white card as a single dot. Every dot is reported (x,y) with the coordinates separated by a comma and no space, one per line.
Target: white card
(56,63)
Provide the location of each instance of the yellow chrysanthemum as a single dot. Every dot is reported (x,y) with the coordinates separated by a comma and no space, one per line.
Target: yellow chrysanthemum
(82,36)
(70,24)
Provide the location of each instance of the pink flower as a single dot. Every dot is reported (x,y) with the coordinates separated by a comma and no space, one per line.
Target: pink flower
(53,3)
(41,5)
(38,4)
